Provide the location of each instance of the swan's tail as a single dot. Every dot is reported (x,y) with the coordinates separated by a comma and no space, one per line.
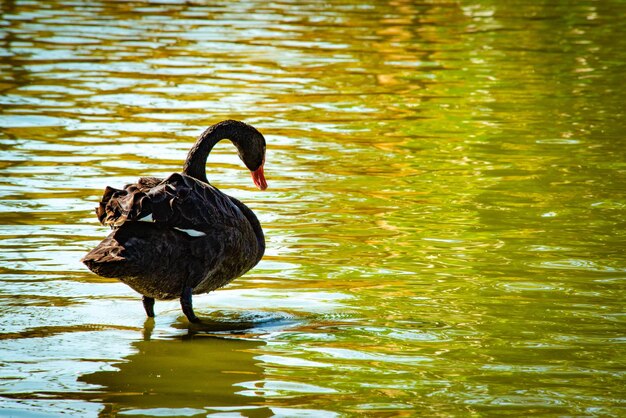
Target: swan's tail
(147,257)
(107,259)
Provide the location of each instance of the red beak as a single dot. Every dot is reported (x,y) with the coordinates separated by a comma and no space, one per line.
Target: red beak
(259,178)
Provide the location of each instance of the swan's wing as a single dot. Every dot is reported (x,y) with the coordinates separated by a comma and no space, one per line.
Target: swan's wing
(118,206)
(180,201)
(146,183)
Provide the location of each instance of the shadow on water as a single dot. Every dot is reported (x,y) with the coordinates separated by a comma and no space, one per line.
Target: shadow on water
(185,375)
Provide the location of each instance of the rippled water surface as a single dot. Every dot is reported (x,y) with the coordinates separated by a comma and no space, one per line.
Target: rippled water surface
(445,220)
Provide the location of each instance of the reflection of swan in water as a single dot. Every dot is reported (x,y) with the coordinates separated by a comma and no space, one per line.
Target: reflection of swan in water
(181,375)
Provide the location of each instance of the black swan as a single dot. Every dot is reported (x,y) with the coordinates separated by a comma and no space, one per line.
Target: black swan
(180,236)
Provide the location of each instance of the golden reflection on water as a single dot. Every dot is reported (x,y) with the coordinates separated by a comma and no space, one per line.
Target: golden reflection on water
(444,219)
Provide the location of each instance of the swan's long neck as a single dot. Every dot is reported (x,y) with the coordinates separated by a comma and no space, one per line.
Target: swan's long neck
(195,165)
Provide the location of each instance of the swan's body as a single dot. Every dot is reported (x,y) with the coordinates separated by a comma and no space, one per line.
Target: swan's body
(180,236)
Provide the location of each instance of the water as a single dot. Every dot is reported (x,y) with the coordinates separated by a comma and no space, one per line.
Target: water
(445,217)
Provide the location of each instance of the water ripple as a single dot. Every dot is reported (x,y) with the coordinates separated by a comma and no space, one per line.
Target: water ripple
(444,219)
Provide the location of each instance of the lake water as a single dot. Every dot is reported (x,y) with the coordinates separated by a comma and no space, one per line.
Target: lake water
(446,212)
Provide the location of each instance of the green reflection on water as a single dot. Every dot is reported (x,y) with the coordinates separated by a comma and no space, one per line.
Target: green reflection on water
(179,375)
(445,217)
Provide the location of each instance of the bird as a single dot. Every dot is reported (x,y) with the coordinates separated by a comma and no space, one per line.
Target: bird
(179,236)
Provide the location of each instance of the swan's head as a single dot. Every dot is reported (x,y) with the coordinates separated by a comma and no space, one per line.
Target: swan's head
(251,149)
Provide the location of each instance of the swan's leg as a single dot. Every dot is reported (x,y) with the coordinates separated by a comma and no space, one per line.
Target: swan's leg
(185,303)
(148,305)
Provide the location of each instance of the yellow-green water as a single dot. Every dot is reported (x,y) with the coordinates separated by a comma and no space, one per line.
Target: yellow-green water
(445,218)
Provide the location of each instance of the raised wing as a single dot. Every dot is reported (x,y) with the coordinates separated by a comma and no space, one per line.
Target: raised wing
(179,201)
